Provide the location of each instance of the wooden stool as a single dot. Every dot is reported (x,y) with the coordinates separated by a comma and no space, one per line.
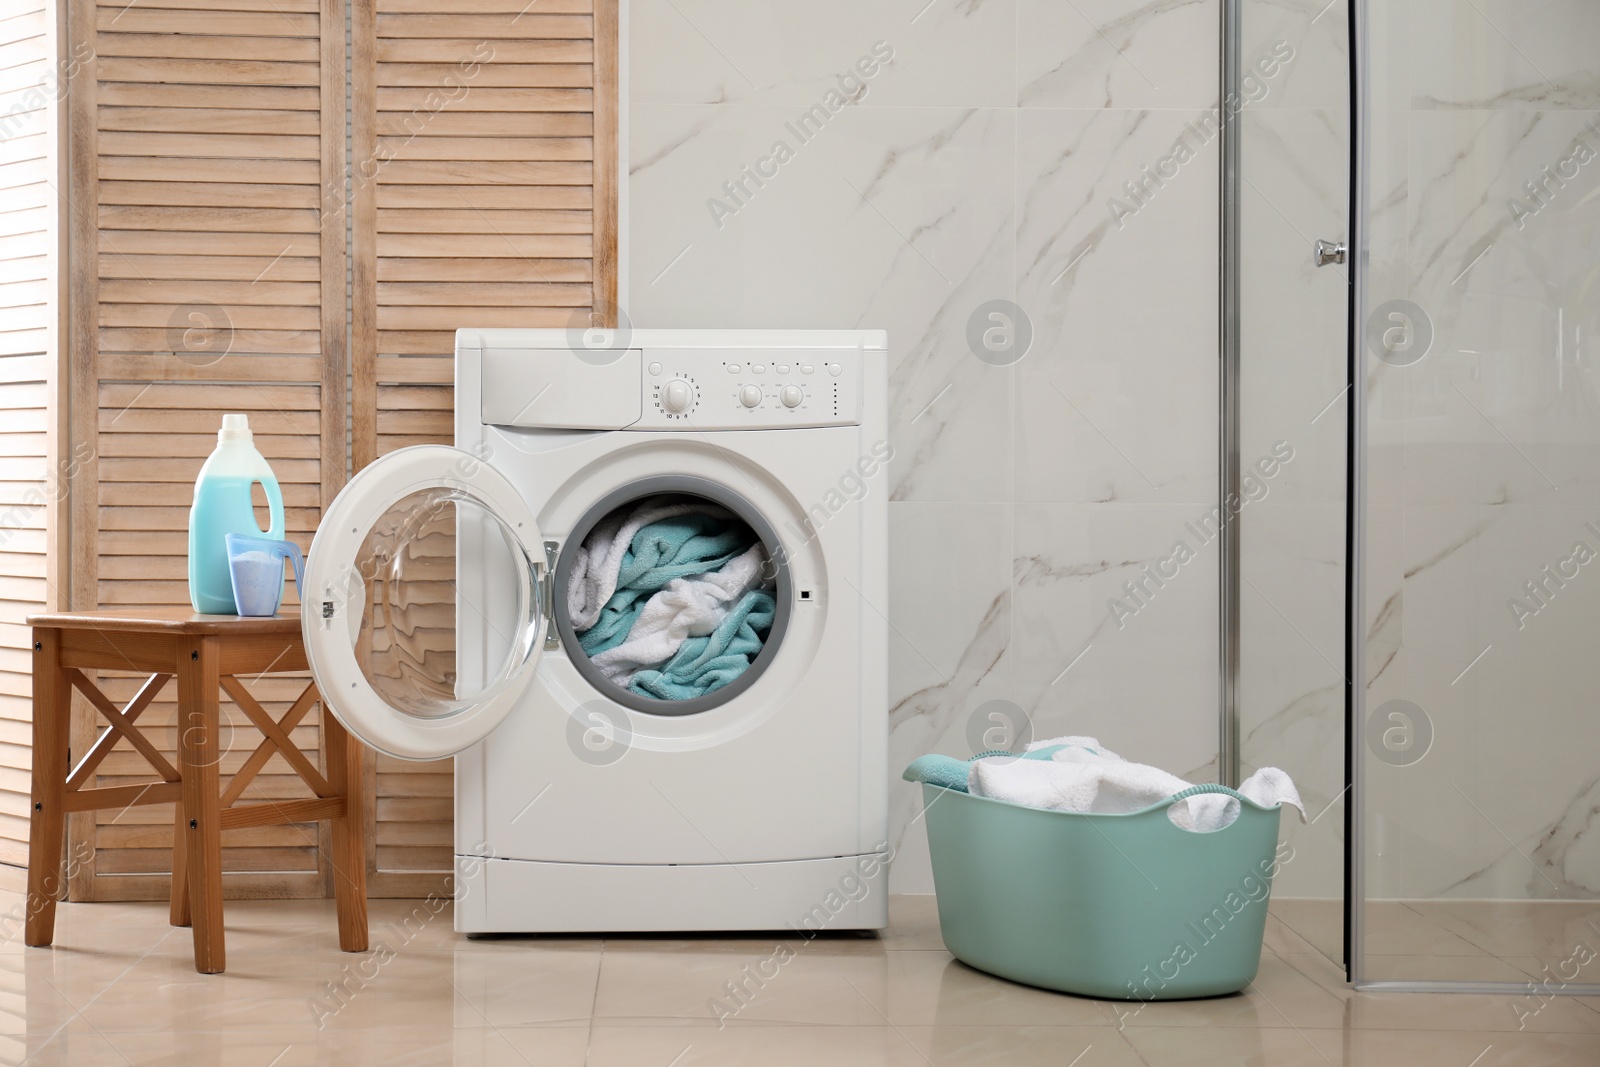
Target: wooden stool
(204,653)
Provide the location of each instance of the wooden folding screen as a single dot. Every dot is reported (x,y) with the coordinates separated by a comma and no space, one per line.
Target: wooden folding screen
(32,478)
(227,256)
(484,193)
(208,276)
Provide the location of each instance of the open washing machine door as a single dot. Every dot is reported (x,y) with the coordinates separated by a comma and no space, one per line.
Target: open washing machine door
(424,602)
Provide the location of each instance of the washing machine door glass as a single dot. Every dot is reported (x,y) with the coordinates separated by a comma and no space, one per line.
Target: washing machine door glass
(424,605)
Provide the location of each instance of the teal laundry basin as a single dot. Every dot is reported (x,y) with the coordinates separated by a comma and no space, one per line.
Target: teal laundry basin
(1127,907)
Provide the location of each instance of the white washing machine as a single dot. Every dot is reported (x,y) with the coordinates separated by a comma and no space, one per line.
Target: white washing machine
(437,621)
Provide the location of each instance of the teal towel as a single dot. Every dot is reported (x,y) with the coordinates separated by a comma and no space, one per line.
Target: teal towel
(705,664)
(952,773)
(672,548)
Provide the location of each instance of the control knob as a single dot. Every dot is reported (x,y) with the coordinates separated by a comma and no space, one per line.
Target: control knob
(750,396)
(677,396)
(792,396)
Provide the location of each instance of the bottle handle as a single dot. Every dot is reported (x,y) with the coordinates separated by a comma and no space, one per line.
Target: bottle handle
(275,521)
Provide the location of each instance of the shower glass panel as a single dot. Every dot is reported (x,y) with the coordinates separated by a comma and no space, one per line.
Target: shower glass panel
(1479,748)
(1292,190)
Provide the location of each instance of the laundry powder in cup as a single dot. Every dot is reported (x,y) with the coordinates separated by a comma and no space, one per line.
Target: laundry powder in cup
(257,582)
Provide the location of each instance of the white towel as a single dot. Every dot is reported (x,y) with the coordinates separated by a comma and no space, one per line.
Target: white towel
(683,608)
(1085,777)
(1076,750)
(599,559)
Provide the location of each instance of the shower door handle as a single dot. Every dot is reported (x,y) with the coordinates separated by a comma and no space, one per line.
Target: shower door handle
(1328,252)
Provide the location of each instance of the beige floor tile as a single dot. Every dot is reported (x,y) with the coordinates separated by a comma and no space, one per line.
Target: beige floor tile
(526,984)
(753,983)
(76,973)
(1281,938)
(1548,929)
(746,1046)
(1209,1046)
(864,1046)
(1394,928)
(116,927)
(934,989)
(30,1004)
(1455,1048)
(913,923)
(1444,969)
(829,944)
(1280,997)
(335,991)
(1319,922)
(75,1045)
(1447,1011)
(397,1046)
(1023,1046)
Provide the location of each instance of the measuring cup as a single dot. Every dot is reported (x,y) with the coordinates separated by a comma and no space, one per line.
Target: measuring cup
(256,566)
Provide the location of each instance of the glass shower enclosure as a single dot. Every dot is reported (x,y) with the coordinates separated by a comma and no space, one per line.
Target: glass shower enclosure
(1412,237)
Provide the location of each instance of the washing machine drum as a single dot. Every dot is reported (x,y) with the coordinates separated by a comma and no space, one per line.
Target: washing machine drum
(670,603)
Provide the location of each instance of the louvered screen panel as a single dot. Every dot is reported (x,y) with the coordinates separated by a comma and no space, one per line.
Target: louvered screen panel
(210,227)
(484,139)
(30,482)
(152,439)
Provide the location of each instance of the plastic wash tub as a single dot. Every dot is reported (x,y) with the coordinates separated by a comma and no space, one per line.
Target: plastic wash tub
(1122,906)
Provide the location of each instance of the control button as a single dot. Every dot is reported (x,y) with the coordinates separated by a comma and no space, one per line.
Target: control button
(835,370)
(734,368)
(806,368)
(792,395)
(677,396)
(655,368)
(782,368)
(758,368)
(750,396)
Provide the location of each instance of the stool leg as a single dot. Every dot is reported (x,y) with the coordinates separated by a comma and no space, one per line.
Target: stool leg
(52,710)
(198,753)
(180,867)
(344,772)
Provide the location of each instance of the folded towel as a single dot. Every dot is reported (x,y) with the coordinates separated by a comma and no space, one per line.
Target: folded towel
(692,544)
(596,564)
(704,664)
(687,607)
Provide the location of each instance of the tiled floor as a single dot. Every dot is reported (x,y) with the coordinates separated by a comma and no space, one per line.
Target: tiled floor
(119,988)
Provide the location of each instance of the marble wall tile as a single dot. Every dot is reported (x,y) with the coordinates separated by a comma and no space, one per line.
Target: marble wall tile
(1500,53)
(1116,399)
(1140,676)
(1117,53)
(950,614)
(1313,71)
(895,218)
(1503,805)
(953,53)
(1291,689)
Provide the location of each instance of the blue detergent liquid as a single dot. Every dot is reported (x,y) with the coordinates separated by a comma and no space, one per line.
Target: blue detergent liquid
(222,506)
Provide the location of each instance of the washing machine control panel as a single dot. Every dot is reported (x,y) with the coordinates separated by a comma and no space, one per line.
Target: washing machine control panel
(738,389)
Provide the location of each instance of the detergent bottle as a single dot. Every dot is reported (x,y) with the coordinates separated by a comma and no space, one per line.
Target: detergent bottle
(222,506)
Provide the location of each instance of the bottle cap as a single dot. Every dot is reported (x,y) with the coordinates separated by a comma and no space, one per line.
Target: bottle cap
(234,428)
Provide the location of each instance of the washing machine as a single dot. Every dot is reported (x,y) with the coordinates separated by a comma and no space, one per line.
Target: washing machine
(440,619)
